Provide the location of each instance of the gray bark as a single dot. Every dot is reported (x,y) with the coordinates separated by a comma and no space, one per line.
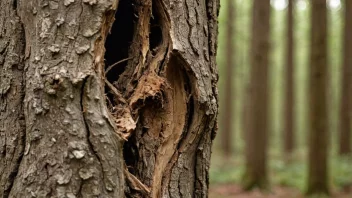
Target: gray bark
(64,123)
(12,126)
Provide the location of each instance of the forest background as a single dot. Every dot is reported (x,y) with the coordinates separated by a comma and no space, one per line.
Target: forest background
(229,171)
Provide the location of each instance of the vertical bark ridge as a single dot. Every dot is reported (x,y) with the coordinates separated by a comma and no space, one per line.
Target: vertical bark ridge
(12,126)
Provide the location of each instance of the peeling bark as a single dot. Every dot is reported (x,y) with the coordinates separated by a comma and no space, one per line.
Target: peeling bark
(138,124)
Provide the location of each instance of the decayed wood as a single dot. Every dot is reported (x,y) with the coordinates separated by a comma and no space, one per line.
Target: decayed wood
(172,91)
(164,103)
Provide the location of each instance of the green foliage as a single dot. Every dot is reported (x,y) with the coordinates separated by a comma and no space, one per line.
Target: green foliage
(222,170)
(290,174)
(341,172)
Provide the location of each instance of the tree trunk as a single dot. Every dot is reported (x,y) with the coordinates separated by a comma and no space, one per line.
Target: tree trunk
(289,104)
(228,118)
(318,140)
(66,114)
(256,124)
(346,97)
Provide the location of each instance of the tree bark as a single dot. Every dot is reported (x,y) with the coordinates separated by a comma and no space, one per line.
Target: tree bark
(318,137)
(346,97)
(256,125)
(289,104)
(12,124)
(74,125)
(228,118)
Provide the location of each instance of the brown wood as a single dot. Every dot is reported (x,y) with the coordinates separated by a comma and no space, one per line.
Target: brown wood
(318,136)
(64,124)
(228,118)
(256,124)
(346,97)
(289,138)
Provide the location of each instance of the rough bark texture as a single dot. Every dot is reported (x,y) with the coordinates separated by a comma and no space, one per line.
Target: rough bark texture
(346,97)
(318,137)
(12,126)
(289,104)
(71,148)
(256,124)
(66,114)
(228,118)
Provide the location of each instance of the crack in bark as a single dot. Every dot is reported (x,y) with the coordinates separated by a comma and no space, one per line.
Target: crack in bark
(13,175)
(90,145)
(12,178)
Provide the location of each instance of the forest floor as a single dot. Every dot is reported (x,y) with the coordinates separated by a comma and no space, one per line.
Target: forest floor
(235,191)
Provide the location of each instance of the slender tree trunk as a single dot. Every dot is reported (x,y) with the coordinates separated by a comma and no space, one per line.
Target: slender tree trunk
(66,114)
(289,104)
(228,118)
(256,136)
(318,137)
(346,97)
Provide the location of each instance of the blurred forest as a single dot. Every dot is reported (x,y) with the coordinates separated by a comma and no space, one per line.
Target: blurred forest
(261,149)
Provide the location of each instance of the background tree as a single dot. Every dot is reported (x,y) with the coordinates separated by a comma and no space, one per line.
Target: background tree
(66,113)
(228,118)
(346,97)
(289,100)
(318,135)
(286,179)
(256,124)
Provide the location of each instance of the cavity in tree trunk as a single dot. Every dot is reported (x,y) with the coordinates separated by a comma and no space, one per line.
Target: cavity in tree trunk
(289,104)
(318,135)
(228,118)
(346,97)
(256,124)
(97,107)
